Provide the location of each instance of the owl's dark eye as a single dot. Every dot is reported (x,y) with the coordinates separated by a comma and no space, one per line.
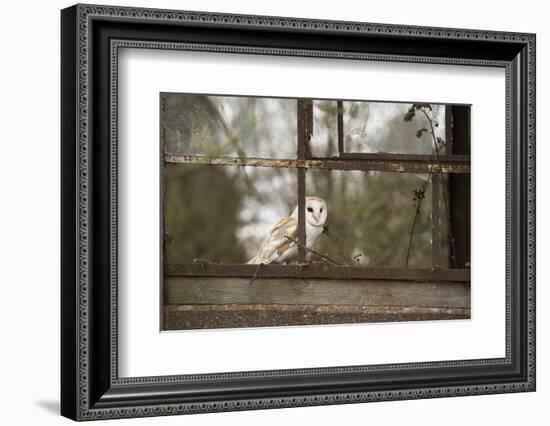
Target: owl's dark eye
(321,210)
(309,209)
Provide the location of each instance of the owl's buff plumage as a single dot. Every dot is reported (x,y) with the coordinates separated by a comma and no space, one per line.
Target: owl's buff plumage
(278,246)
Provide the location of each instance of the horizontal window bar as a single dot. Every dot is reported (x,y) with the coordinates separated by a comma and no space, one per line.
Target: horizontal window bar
(412,164)
(382,156)
(317,271)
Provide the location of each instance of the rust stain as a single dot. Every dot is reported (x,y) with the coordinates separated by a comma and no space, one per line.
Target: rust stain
(412,164)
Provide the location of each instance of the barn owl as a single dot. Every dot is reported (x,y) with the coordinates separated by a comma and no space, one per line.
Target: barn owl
(278,247)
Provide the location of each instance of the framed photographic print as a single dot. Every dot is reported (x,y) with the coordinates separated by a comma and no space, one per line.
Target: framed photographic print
(296,230)
(263,212)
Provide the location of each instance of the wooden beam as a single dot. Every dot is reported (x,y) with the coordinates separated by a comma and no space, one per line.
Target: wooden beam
(179,290)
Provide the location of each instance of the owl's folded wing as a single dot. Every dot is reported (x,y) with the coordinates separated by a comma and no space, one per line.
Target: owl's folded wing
(278,241)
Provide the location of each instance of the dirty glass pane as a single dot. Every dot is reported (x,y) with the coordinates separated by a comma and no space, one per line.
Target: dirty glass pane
(370,217)
(382,127)
(378,127)
(229,126)
(444,215)
(221,214)
(324,141)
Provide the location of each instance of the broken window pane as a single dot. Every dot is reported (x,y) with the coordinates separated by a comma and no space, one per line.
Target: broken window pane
(378,127)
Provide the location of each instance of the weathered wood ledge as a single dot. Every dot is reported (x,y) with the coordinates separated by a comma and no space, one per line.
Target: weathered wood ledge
(188,317)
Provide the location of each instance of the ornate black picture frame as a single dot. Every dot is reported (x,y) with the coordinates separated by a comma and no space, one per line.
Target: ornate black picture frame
(91,387)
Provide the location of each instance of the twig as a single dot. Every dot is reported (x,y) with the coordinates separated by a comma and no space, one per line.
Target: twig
(419,199)
(447,213)
(255,273)
(339,249)
(450,230)
(312,251)
(411,234)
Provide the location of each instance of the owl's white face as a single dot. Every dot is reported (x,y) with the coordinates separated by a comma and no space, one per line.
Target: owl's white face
(270,250)
(316,211)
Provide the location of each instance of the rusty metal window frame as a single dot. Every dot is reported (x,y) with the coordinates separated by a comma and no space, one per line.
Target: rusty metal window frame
(451,164)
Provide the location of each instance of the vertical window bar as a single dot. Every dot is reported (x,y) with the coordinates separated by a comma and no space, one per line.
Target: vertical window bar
(309,126)
(302,129)
(340,109)
(448,129)
(436,221)
(459,189)
(436,194)
(301,215)
(303,107)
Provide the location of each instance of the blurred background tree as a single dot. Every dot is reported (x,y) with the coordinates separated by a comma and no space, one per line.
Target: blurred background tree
(195,227)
